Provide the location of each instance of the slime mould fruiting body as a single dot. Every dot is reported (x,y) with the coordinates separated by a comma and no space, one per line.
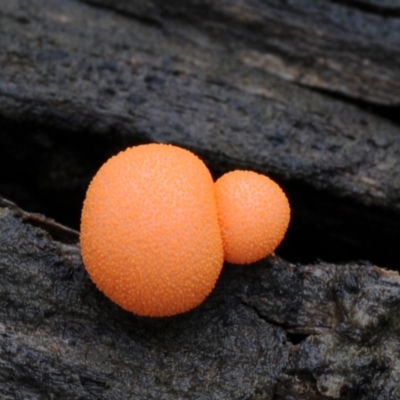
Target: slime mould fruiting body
(155,228)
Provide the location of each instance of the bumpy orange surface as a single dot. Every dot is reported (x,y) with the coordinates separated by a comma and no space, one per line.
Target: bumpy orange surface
(254,214)
(150,237)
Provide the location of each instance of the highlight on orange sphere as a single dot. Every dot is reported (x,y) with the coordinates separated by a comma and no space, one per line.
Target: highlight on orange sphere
(150,237)
(253,213)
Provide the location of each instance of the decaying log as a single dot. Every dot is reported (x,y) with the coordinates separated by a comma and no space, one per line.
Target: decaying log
(273,330)
(347,47)
(166,87)
(74,75)
(233,81)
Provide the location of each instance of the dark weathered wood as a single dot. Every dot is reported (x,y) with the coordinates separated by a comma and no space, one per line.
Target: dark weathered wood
(81,81)
(74,75)
(347,47)
(61,338)
(80,69)
(274,330)
(347,314)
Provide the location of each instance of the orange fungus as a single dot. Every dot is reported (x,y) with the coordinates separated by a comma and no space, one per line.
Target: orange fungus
(155,228)
(254,214)
(150,237)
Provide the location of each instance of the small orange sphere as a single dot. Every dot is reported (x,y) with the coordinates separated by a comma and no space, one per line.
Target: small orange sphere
(150,238)
(254,214)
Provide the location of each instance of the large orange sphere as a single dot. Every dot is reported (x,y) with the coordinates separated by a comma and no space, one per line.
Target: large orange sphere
(254,214)
(150,237)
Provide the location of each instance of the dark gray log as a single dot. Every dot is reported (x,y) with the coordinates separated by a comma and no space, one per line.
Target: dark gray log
(273,330)
(78,74)
(348,47)
(170,88)
(61,338)
(80,82)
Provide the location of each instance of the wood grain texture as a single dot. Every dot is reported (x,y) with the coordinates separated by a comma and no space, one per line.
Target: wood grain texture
(351,48)
(271,330)
(238,83)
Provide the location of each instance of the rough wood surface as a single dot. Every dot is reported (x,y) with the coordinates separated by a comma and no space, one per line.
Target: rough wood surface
(233,81)
(60,68)
(74,75)
(271,331)
(352,48)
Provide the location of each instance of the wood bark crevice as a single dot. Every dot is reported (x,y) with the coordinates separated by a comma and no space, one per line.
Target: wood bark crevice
(80,82)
